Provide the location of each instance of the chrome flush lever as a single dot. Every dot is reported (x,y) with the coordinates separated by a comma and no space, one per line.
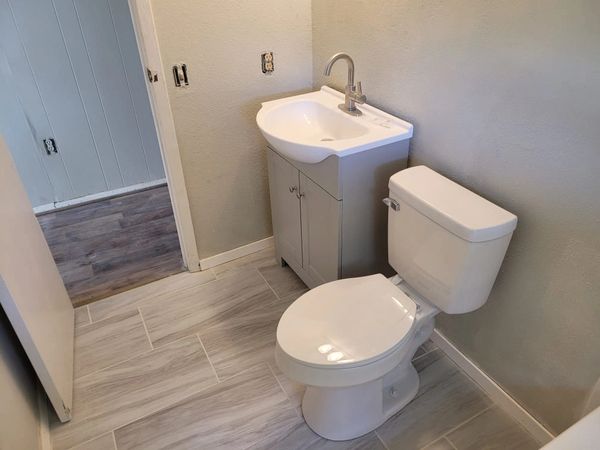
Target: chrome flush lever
(391,203)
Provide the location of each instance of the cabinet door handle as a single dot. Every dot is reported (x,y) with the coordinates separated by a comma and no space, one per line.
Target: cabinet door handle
(299,196)
(293,189)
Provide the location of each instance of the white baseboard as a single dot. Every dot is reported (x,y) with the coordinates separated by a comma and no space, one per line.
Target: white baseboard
(236,253)
(492,389)
(56,206)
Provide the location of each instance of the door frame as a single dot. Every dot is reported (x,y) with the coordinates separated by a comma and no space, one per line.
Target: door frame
(147,40)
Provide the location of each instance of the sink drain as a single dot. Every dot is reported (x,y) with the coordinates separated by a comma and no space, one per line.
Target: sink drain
(326,139)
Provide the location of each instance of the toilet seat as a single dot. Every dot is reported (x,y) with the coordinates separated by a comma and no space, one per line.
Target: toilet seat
(345,332)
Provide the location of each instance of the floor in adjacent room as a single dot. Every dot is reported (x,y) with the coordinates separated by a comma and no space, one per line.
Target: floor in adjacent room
(114,245)
(187,363)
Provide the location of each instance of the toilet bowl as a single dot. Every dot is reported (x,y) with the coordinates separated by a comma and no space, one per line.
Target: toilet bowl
(351,341)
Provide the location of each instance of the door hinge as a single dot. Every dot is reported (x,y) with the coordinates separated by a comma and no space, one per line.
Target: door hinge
(50,146)
(152,76)
(180,75)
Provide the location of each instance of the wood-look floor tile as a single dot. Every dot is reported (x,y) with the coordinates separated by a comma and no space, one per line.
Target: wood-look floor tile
(293,389)
(210,305)
(245,339)
(232,415)
(102,344)
(246,336)
(104,442)
(283,280)
(77,231)
(122,393)
(427,347)
(257,260)
(301,437)
(434,369)
(493,429)
(434,412)
(160,291)
(129,220)
(82,317)
(74,270)
(440,444)
(112,245)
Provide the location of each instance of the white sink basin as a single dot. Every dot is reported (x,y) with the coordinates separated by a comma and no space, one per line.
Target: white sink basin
(310,127)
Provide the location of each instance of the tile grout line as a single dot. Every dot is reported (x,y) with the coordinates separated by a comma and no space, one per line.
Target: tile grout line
(135,356)
(208,358)
(381,440)
(145,327)
(451,430)
(468,420)
(166,407)
(278,382)
(425,354)
(137,303)
(450,443)
(284,391)
(114,438)
(160,408)
(265,280)
(87,441)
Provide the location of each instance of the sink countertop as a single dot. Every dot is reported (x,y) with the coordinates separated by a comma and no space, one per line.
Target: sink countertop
(310,127)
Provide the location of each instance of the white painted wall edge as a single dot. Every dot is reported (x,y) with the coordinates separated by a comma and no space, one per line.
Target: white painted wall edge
(492,389)
(45,440)
(147,40)
(583,435)
(236,253)
(57,206)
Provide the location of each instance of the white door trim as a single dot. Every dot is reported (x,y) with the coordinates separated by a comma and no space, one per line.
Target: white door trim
(145,31)
(492,389)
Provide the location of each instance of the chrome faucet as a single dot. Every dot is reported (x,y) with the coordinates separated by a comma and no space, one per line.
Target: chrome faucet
(353,94)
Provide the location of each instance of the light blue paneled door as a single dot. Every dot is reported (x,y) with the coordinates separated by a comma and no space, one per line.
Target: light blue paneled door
(73,68)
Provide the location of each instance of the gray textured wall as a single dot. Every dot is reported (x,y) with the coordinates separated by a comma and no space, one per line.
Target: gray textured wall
(222,150)
(505,99)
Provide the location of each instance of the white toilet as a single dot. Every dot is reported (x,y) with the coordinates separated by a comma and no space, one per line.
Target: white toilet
(351,341)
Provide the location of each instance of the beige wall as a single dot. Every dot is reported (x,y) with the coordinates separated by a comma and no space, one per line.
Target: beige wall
(19,413)
(222,151)
(505,99)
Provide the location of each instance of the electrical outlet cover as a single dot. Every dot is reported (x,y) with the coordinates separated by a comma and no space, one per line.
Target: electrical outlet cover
(267,63)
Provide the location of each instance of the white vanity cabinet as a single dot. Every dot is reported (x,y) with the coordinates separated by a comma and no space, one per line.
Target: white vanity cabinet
(328,218)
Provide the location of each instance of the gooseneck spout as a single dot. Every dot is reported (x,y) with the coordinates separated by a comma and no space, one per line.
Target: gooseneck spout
(337,57)
(353,94)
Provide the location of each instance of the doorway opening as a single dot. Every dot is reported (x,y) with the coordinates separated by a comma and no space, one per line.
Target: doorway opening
(113,245)
(77,115)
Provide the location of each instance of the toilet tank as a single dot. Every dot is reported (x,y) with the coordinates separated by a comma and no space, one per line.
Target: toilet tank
(445,241)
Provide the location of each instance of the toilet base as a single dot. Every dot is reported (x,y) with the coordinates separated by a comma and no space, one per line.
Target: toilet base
(345,413)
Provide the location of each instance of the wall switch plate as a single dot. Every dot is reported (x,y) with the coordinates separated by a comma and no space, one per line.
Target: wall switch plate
(267,64)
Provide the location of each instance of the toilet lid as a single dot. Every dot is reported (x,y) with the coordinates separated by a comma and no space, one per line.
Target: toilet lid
(347,322)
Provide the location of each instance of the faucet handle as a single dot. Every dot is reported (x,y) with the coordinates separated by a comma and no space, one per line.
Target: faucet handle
(357,94)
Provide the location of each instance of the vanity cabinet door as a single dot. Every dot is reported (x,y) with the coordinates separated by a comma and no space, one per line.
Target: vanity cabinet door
(321,232)
(284,185)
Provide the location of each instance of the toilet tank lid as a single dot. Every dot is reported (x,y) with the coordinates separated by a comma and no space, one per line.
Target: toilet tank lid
(458,210)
